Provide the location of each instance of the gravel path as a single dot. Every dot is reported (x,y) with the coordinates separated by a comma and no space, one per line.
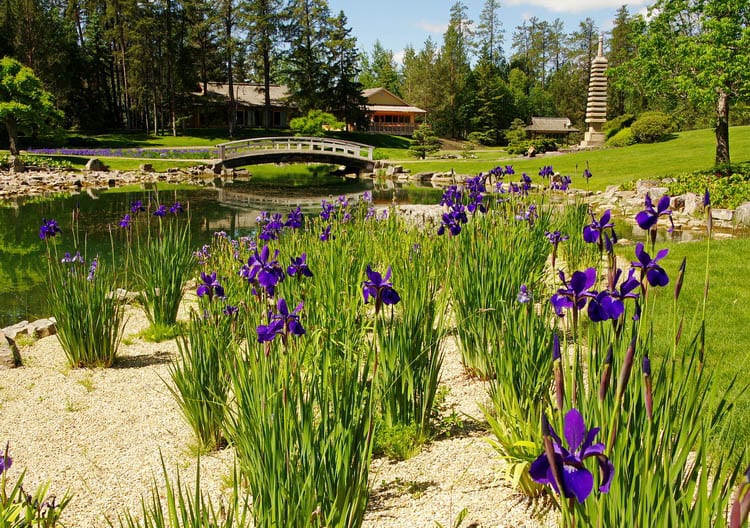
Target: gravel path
(102,434)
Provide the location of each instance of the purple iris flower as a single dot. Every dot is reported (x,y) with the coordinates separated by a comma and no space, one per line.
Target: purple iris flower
(563,184)
(649,267)
(137,207)
(524,296)
(281,323)
(546,171)
(210,286)
(587,173)
(555,237)
(262,218)
(566,464)
(609,305)
(370,213)
(176,208)
(49,229)
(67,259)
(92,270)
(294,218)
(327,211)
(451,196)
(383,215)
(649,216)
(509,169)
(453,219)
(592,233)
(575,293)
(367,197)
(379,288)
(326,234)
(230,310)
(268,233)
(5,461)
(161,211)
(299,267)
(263,270)
(125,222)
(202,255)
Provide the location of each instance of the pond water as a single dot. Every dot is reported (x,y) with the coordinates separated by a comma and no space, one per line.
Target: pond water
(231,206)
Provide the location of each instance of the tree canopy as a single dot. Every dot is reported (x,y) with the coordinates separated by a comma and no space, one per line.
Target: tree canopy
(24,104)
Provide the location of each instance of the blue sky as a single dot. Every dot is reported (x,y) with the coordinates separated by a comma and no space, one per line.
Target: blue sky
(397,23)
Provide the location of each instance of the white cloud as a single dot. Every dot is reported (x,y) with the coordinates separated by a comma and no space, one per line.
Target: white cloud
(398,56)
(431,27)
(575,6)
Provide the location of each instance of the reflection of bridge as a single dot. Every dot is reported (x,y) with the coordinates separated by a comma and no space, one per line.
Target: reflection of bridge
(354,156)
(250,199)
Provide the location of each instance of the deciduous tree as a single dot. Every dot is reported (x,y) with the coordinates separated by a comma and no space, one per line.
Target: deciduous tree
(24,104)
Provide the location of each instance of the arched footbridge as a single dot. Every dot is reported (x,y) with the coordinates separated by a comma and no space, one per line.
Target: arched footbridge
(355,157)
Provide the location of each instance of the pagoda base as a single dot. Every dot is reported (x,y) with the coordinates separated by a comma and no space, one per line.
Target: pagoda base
(593,139)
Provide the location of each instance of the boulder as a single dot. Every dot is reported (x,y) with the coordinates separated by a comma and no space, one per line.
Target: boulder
(9,355)
(722,214)
(422,176)
(692,203)
(742,215)
(147,167)
(16,164)
(42,328)
(18,328)
(95,165)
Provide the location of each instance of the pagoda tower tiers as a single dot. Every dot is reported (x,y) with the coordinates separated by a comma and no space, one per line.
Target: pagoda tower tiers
(596,107)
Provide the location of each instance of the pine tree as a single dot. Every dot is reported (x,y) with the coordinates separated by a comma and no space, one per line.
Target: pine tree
(344,94)
(263,19)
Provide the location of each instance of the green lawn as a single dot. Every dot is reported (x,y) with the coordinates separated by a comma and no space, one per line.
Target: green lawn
(687,152)
(727,318)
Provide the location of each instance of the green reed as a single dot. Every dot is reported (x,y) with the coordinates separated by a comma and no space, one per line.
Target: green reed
(519,392)
(200,382)
(176,506)
(90,316)
(302,428)
(410,336)
(162,263)
(493,256)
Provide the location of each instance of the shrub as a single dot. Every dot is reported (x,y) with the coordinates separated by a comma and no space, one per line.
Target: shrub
(651,127)
(623,138)
(424,142)
(315,123)
(613,126)
(486,137)
(729,187)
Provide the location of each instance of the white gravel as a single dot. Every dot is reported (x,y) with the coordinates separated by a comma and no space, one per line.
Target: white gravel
(101,434)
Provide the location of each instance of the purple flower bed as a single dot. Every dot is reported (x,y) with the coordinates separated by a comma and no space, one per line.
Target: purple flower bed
(151,153)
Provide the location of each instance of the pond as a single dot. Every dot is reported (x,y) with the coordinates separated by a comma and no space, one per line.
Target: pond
(230,205)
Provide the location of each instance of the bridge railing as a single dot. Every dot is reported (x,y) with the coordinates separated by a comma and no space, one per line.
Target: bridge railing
(243,147)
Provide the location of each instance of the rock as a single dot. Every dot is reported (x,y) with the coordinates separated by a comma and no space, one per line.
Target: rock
(393,170)
(422,176)
(722,214)
(9,355)
(146,167)
(692,203)
(16,164)
(14,330)
(95,165)
(678,203)
(742,215)
(42,328)
(610,191)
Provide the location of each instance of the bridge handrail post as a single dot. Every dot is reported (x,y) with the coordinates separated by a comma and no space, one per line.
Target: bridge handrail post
(370,152)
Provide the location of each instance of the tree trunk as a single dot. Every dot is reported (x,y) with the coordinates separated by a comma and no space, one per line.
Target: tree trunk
(10,125)
(722,129)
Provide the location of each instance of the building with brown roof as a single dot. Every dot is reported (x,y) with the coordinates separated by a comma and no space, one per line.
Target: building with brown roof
(210,106)
(557,128)
(389,114)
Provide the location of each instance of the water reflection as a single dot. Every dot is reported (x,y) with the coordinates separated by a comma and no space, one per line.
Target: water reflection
(228,205)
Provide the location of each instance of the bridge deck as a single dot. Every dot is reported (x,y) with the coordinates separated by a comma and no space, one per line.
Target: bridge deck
(312,146)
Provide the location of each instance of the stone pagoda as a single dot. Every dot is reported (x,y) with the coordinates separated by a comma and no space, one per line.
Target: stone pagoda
(596,107)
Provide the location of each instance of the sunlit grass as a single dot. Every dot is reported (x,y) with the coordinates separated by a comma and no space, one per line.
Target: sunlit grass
(727,319)
(687,152)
